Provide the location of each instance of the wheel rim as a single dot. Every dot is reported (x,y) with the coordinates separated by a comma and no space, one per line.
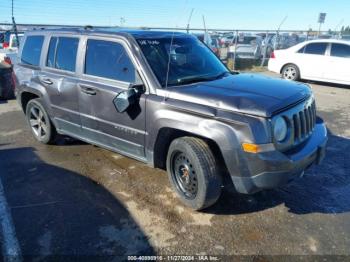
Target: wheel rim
(38,122)
(290,73)
(184,175)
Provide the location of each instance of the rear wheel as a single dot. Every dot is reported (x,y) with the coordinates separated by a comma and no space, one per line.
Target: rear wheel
(193,172)
(291,72)
(40,123)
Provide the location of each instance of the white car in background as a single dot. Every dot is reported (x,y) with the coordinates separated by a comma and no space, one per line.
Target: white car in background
(326,60)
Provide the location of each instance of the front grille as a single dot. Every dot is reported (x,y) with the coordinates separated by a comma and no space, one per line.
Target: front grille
(303,122)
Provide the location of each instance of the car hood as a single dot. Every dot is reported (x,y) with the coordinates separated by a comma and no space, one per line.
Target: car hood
(252,94)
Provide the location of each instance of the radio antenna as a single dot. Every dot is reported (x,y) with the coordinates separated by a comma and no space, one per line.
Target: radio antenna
(14,25)
(171,46)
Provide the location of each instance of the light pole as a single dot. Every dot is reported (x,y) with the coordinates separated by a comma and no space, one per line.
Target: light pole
(321,19)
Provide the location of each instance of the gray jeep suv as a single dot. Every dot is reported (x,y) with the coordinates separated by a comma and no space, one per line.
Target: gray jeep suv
(165,99)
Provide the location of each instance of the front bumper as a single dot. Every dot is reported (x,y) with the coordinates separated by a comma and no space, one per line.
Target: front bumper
(272,169)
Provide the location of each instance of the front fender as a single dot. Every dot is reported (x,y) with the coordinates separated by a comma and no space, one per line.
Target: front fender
(227,135)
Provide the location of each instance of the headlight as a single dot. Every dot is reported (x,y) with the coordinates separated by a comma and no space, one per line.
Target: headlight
(280,129)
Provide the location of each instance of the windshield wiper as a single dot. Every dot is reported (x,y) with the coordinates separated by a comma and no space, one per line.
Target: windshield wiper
(194,80)
(201,78)
(221,75)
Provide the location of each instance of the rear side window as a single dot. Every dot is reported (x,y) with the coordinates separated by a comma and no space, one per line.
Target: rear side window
(314,49)
(109,60)
(32,50)
(62,53)
(340,50)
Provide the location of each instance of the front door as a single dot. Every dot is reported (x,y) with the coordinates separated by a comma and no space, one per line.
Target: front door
(109,70)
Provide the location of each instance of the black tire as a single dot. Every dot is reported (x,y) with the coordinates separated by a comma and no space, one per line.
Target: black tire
(202,185)
(34,111)
(290,72)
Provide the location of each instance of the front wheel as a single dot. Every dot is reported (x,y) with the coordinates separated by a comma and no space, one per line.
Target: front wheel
(291,72)
(193,172)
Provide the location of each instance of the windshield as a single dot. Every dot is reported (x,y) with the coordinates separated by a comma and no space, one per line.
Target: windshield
(190,60)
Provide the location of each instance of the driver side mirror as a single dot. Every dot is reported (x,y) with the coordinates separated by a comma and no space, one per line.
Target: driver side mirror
(125,99)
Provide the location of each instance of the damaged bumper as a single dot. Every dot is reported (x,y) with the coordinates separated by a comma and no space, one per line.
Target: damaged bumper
(272,169)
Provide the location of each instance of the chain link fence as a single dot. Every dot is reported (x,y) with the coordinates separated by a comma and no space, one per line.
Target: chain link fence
(239,49)
(244,49)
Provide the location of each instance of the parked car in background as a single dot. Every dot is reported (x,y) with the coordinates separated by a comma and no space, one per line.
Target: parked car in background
(325,60)
(2,39)
(228,40)
(345,37)
(267,45)
(10,41)
(165,99)
(6,81)
(9,51)
(211,42)
(247,47)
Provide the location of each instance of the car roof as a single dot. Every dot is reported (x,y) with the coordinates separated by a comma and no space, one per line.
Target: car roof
(113,31)
(336,41)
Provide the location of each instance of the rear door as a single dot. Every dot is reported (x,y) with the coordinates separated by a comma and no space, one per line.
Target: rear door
(29,64)
(312,61)
(339,61)
(59,78)
(108,69)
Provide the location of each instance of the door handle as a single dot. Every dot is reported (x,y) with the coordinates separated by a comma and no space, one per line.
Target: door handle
(46,81)
(87,90)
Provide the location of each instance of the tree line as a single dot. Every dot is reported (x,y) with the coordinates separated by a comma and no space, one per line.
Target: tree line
(345,30)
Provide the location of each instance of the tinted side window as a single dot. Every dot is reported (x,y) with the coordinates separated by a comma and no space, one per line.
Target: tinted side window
(66,53)
(32,50)
(51,55)
(340,50)
(316,48)
(302,50)
(109,60)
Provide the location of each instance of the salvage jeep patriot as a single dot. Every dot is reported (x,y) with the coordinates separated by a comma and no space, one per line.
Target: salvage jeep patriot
(165,99)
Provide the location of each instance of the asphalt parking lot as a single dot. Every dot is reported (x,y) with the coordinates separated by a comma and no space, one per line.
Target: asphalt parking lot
(77,199)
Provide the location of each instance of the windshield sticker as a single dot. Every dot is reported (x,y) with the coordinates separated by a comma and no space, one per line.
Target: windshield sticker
(149,42)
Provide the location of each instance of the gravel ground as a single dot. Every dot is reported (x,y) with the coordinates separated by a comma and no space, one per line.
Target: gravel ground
(78,199)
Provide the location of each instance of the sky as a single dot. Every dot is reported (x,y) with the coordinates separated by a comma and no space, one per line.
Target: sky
(223,14)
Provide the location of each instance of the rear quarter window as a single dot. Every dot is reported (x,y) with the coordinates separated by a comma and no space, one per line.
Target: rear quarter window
(32,50)
(340,50)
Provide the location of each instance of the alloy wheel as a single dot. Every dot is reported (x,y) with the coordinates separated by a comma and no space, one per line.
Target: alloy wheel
(38,122)
(290,73)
